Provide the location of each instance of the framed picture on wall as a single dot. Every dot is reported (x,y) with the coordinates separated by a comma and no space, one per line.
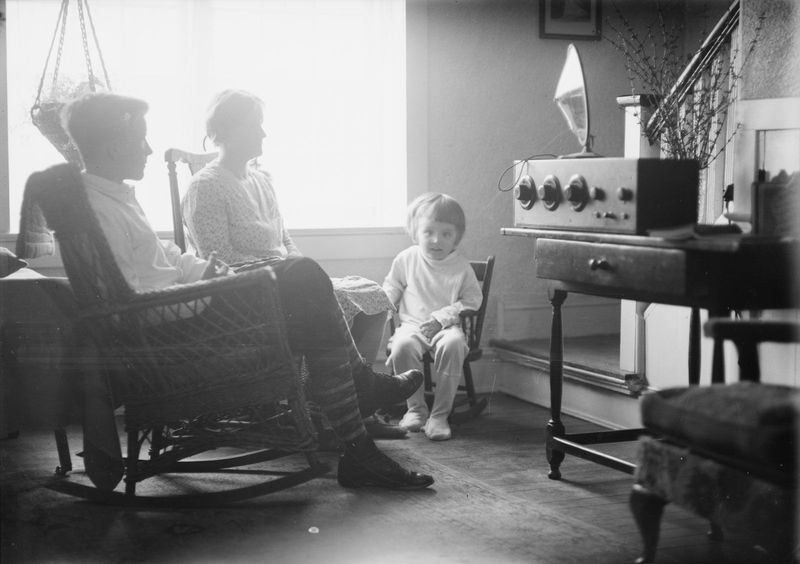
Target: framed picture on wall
(569,19)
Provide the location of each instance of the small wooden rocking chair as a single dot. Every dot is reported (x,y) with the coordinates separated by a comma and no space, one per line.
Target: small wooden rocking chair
(196,367)
(469,405)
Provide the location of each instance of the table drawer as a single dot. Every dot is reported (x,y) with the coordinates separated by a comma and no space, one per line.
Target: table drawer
(622,267)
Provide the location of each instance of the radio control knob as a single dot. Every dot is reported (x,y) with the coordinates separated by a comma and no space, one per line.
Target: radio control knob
(550,192)
(597,193)
(624,194)
(525,193)
(577,193)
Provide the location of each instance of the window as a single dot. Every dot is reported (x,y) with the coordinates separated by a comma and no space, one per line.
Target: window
(331,72)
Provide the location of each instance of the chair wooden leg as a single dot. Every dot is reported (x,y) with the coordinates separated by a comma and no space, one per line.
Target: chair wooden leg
(156,441)
(428,382)
(132,462)
(426,371)
(748,361)
(468,384)
(476,406)
(714,532)
(647,509)
(62,446)
(457,415)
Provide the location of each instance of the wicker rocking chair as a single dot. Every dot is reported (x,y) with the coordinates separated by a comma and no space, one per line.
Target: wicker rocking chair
(197,367)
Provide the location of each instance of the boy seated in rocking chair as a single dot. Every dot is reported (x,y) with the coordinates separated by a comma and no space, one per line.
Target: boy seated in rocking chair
(110,133)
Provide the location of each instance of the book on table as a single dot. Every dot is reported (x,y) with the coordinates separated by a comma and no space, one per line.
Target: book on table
(696,231)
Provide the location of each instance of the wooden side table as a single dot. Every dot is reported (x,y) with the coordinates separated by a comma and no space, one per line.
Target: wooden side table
(719,274)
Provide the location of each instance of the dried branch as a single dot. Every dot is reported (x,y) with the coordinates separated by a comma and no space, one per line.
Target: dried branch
(692,109)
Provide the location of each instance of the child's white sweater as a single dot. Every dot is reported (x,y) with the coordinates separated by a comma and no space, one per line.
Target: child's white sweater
(421,288)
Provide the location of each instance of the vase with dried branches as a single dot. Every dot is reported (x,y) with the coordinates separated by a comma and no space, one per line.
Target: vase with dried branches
(691,93)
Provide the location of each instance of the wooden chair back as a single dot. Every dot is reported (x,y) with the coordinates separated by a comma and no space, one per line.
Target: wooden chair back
(194,161)
(746,335)
(483,271)
(93,272)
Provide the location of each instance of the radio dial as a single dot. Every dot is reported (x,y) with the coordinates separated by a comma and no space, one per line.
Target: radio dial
(550,192)
(577,193)
(525,192)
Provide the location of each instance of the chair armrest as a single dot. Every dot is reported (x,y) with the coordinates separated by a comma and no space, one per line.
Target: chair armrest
(184,293)
(753,330)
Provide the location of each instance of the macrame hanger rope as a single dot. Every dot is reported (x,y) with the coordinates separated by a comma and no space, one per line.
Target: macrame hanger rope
(57,67)
(85,42)
(97,45)
(60,31)
(60,22)
(46,114)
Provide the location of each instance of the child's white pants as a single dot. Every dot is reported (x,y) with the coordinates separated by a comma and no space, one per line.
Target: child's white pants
(448,348)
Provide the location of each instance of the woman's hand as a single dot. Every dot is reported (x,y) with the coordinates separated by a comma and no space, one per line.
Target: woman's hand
(215,267)
(430,328)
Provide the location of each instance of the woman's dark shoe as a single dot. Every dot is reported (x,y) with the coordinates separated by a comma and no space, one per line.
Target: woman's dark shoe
(376,390)
(362,464)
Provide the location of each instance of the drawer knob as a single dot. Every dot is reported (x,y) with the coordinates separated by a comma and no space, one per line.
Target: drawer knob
(599,264)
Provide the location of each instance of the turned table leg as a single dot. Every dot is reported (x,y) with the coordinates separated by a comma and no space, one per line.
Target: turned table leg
(647,509)
(718,356)
(694,347)
(555,428)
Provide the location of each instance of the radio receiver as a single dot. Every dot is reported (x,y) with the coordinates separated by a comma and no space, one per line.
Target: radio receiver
(586,192)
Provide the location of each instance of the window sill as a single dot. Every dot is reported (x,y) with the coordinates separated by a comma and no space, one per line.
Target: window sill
(321,244)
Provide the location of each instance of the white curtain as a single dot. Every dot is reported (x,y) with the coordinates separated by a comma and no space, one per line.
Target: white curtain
(332,74)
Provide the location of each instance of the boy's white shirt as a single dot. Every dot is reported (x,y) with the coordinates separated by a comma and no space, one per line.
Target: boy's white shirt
(422,288)
(146,262)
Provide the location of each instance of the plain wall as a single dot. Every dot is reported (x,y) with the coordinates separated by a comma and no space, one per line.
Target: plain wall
(488,81)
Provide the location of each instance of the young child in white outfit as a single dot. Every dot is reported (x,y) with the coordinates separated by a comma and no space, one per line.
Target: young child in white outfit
(430,283)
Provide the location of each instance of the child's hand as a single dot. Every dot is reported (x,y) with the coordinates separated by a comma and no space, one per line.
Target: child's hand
(215,267)
(430,328)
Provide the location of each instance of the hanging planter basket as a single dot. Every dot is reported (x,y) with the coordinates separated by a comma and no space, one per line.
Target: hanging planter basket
(46,114)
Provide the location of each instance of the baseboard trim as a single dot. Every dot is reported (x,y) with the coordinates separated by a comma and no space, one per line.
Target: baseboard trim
(590,403)
(573,373)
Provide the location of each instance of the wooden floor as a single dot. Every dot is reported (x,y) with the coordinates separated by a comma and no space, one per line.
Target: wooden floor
(501,453)
(587,491)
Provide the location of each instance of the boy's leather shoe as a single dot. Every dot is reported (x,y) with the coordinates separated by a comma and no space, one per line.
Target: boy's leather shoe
(103,470)
(362,464)
(375,389)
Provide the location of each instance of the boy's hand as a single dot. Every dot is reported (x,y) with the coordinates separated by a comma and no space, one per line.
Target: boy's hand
(215,267)
(430,328)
